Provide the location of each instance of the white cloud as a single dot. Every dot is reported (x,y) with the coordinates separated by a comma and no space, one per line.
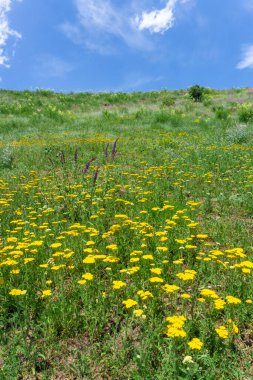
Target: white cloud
(101,19)
(247,59)
(5,31)
(50,66)
(158,21)
(101,24)
(134,81)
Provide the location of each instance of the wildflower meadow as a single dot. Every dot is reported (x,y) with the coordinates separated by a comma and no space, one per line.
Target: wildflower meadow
(126,247)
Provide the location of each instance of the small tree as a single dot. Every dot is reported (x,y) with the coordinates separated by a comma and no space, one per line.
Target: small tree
(168,101)
(196,93)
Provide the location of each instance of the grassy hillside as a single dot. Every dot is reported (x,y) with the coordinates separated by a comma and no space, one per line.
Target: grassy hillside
(126,246)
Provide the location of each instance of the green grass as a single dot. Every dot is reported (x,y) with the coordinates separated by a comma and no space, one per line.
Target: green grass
(173,193)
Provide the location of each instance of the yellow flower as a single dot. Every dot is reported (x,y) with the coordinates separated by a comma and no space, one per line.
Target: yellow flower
(246,270)
(156,270)
(43,265)
(17,292)
(188,360)
(121,216)
(246,264)
(232,326)
(192,225)
(162,249)
(156,279)
(174,332)
(36,243)
(222,332)
(89,260)
(12,239)
(180,241)
(112,247)
(161,233)
(134,260)
(130,270)
(28,260)
(15,271)
(176,320)
(56,245)
(111,259)
(209,293)
(118,284)
(195,344)
(46,293)
(82,282)
(57,267)
(129,303)
(87,276)
(233,300)
(91,242)
(88,250)
(178,262)
(202,236)
(185,296)
(219,304)
(144,294)
(148,257)
(138,312)
(170,288)
(187,275)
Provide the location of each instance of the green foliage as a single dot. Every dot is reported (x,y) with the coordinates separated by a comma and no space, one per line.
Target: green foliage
(221,112)
(168,101)
(196,93)
(162,117)
(245,113)
(238,135)
(6,157)
(207,102)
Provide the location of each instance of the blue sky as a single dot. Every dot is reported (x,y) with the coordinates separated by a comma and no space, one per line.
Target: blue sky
(129,45)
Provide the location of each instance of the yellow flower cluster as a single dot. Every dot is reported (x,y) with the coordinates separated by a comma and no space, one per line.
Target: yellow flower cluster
(175,327)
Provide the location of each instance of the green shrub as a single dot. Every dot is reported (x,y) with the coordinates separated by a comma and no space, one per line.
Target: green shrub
(237,135)
(168,101)
(161,117)
(221,112)
(207,102)
(245,113)
(173,118)
(6,158)
(196,93)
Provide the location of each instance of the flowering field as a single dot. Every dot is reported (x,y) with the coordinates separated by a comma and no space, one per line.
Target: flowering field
(126,245)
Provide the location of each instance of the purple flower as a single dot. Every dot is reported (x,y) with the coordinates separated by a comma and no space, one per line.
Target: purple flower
(95,175)
(114,148)
(86,167)
(106,150)
(75,155)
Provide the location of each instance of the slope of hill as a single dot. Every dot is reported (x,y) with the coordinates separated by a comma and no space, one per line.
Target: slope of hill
(126,235)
